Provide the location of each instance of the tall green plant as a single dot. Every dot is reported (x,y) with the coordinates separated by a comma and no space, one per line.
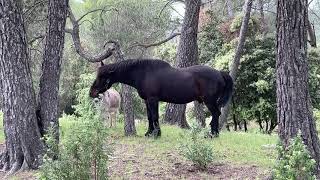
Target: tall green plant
(295,162)
(197,149)
(83,151)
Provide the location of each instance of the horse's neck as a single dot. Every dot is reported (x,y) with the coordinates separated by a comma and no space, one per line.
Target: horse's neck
(127,76)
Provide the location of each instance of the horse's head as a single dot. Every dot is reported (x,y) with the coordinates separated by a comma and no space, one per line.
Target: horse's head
(102,83)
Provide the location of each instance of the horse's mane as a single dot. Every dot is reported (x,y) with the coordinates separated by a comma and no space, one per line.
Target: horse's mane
(135,63)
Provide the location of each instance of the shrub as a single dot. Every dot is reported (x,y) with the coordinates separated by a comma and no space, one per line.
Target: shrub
(83,153)
(196,148)
(294,162)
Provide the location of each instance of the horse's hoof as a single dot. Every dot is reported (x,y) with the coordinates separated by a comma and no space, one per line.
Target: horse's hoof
(212,135)
(156,133)
(148,133)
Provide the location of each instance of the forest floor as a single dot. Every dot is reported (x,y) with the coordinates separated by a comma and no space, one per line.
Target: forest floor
(237,155)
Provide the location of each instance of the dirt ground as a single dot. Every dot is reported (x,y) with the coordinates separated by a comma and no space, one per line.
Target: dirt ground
(135,162)
(131,162)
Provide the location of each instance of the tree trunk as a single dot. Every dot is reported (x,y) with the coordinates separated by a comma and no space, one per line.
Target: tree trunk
(236,60)
(312,34)
(199,113)
(235,124)
(230,8)
(24,147)
(263,24)
(48,105)
(272,126)
(187,55)
(245,125)
(294,109)
(267,125)
(127,98)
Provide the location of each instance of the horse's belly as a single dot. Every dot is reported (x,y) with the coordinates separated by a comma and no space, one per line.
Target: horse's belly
(178,96)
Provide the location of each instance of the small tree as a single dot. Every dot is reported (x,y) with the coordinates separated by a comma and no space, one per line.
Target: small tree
(295,161)
(196,148)
(83,151)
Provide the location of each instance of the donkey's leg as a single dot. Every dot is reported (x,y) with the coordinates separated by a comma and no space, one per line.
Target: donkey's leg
(154,112)
(150,123)
(215,112)
(110,119)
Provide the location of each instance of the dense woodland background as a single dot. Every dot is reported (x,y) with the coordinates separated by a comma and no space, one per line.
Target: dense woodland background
(151,29)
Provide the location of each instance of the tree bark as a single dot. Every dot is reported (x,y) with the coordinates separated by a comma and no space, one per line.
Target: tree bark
(312,34)
(199,113)
(187,55)
(263,25)
(127,98)
(236,60)
(294,109)
(48,105)
(129,124)
(230,8)
(24,147)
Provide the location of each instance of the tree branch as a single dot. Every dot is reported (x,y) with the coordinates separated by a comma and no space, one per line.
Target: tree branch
(107,52)
(36,38)
(157,43)
(264,10)
(34,6)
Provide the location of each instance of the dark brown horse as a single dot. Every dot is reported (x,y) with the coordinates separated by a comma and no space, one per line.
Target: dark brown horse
(156,80)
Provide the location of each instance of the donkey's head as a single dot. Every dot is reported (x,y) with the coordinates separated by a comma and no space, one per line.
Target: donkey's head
(102,82)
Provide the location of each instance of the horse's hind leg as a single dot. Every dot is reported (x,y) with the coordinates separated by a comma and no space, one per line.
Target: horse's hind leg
(215,112)
(150,126)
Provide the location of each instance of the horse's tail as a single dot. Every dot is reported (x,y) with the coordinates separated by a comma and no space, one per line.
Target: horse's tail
(227,91)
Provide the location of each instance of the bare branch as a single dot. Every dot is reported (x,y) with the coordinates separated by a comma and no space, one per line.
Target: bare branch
(157,43)
(107,52)
(264,10)
(37,4)
(164,7)
(91,23)
(95,10)
(36,38)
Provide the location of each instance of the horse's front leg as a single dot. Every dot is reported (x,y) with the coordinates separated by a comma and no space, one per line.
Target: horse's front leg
(150,123)
(153,105)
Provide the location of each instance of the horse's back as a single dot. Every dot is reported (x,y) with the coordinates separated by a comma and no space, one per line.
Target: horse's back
(205,72)
(209,80)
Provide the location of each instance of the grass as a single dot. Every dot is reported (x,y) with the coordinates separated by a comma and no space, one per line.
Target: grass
(140,155)
(236,147)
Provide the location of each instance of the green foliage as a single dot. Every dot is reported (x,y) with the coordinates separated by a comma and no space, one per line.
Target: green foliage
(295,162)
(253,25)
(210,41)
(167,52)
(196,148)
(255,90)
(314,76)
(129,21)
(82,150)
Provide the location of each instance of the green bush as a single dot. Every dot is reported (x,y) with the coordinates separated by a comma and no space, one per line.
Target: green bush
(83,150)
(294,162)
(197,149)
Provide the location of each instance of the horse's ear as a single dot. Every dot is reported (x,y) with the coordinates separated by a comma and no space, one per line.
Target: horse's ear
(101,63)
